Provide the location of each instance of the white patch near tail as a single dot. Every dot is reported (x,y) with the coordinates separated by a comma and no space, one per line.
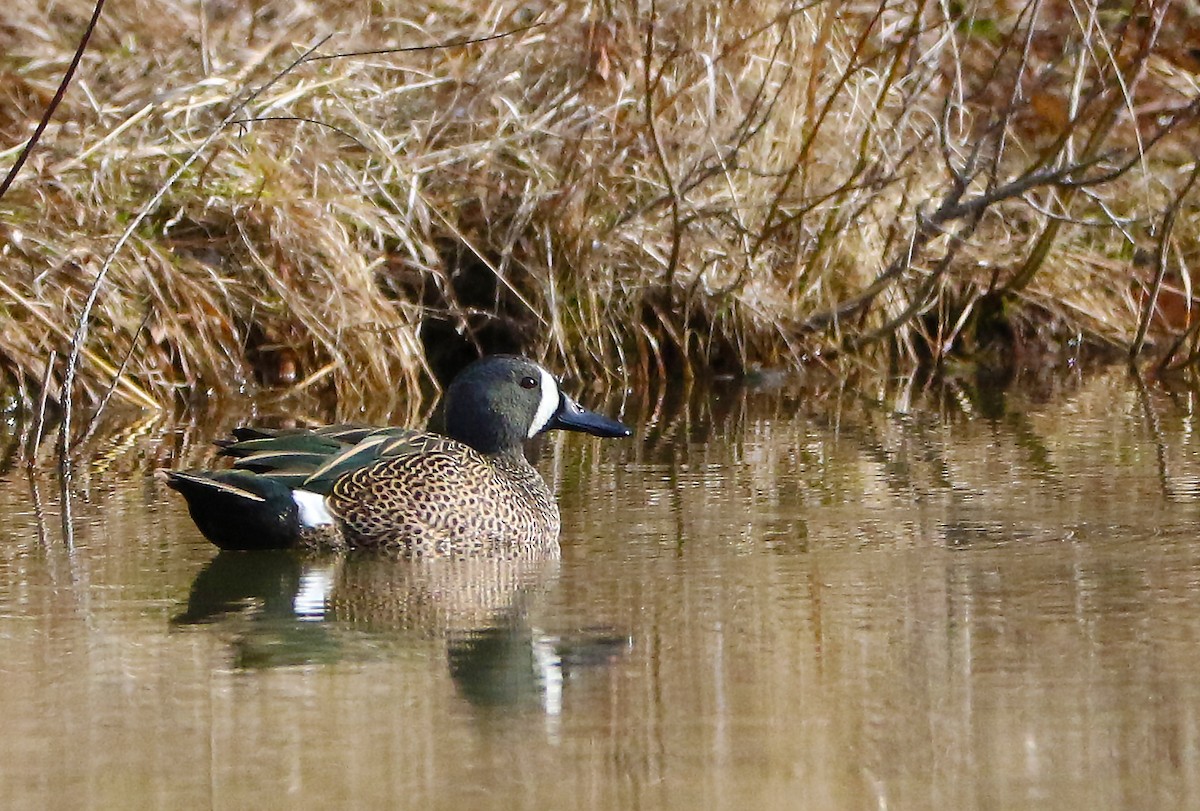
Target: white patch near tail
(313,512)
(548,407)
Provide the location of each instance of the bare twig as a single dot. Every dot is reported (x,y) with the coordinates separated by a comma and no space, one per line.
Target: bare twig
(438,46)
(1161,262)
(303,120)
(54,102)
(43,399)
(660,154)
(112,386)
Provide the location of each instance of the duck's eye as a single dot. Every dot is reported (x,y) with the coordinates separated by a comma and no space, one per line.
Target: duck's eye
(529,383)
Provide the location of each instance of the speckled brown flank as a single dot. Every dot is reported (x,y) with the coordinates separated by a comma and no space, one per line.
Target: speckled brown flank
(446,499)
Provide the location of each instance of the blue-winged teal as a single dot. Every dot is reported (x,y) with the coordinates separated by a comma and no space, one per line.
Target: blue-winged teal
(469,491)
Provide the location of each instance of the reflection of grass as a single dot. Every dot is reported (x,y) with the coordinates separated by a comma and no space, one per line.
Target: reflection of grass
(702,188)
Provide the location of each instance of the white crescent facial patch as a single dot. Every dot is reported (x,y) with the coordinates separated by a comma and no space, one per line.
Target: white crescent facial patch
(548,407)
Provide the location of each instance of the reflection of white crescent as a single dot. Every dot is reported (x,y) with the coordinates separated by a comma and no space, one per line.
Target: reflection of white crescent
(548,665)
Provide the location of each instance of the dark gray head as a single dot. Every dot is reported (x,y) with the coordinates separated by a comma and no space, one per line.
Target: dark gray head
(499,402)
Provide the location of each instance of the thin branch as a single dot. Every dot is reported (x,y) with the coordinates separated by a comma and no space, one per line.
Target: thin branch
(54,102)
(457,43)
(660,154)
(112,386)
(924,296)
(1164,242)
(303,120)
(44,396)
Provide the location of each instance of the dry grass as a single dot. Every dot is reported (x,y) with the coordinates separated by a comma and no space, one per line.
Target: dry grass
(632,190)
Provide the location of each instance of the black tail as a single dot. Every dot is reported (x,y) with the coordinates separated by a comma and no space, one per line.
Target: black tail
(239,510)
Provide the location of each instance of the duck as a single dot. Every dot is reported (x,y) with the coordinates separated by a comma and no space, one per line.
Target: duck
(465,491)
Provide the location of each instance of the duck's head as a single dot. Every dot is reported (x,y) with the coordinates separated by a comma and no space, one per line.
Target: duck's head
(498,402)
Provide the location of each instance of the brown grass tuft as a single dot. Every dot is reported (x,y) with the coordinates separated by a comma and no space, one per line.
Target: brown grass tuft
(626,189)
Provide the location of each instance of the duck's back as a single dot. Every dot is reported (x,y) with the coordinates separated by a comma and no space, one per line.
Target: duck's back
(445,498)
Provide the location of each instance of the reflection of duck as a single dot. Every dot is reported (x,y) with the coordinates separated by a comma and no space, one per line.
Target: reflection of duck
(280,596)
(301,608)
(505,665)
(469,491)
(273,584)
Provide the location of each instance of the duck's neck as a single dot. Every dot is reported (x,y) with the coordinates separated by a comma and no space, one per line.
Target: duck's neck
(488,441)
(489,434)
(514,455)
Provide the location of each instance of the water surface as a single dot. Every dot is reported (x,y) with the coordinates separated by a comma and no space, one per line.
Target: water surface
(772,599)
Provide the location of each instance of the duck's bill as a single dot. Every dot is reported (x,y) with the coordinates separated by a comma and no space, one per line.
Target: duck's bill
(573,417)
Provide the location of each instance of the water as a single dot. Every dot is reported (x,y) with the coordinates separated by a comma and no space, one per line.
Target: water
(779,599)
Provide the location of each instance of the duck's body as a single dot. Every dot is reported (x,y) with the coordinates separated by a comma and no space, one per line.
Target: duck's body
(471,491)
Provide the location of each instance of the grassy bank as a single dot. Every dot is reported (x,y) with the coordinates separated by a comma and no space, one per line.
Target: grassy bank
(627,189)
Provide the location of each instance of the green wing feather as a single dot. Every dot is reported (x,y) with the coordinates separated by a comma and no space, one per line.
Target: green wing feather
(315,458)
